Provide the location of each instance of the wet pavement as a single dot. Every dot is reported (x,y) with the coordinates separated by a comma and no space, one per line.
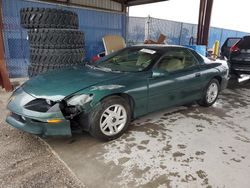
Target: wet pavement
(180,147)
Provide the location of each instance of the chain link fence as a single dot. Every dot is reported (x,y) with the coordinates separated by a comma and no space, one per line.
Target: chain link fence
(177,33)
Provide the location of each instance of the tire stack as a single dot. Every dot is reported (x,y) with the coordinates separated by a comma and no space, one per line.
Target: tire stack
(55,42)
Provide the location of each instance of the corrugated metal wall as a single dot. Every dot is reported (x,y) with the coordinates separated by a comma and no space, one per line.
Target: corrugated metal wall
(177,32)
(107,4)
(95,24)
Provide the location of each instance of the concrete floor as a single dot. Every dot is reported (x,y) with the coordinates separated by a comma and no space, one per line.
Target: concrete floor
(180,147)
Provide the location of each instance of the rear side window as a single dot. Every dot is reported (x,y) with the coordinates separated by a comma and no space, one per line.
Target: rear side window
(197,56)
(232,41)
(175,60)
(244,43)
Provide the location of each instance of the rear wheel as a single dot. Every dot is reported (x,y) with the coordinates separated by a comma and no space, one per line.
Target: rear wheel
(111,120)
(210,94)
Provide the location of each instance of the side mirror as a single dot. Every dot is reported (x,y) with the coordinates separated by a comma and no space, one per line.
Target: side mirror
(159,73)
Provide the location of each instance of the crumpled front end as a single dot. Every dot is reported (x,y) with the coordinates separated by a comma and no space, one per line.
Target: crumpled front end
(37,116)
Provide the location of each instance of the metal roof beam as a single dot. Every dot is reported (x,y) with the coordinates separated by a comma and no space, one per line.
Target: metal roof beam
(204,21)
(137,2)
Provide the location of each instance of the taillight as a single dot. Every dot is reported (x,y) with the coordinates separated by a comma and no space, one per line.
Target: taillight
(234,48)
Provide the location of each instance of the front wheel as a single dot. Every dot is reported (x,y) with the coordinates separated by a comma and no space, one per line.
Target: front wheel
(111,120)
(210,94)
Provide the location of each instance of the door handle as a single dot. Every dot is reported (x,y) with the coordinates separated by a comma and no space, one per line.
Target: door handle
(197,74)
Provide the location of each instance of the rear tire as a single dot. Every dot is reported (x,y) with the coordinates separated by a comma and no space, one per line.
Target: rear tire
(210,94)
(111,120)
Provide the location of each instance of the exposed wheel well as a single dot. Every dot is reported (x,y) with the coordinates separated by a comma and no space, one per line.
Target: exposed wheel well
(219,79)
(127,98)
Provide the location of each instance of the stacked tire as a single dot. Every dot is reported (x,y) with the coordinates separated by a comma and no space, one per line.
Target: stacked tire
(55,42)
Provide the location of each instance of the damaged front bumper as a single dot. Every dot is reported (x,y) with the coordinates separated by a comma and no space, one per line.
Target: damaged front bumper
(37,127)
(39,123)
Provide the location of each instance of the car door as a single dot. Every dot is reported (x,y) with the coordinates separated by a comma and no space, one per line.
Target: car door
(180,85)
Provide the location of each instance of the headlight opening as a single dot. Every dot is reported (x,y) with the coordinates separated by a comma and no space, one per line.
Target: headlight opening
(39,105)
(79,100)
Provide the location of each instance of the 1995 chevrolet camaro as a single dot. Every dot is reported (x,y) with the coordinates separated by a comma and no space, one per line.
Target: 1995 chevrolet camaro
(103,98)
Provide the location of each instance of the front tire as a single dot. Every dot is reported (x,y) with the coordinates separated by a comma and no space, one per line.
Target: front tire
(210,94)
(111,120)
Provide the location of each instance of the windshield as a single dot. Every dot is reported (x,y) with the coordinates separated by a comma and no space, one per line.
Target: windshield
(128,60)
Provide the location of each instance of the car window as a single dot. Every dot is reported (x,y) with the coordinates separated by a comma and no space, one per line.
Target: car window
(198,56)
(232,41)
(129,60)
(175,60)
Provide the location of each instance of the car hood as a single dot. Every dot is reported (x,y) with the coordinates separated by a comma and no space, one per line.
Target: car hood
(59,84)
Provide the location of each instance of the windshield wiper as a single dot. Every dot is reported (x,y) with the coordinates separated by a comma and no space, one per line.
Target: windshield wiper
(104,69)
(101,68)
(92,66)
(88,65)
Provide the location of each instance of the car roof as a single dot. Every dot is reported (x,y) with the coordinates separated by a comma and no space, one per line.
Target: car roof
(246,37)
(159,47)
(234,38)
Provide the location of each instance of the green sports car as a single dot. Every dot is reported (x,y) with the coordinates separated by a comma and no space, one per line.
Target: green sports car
(104,97)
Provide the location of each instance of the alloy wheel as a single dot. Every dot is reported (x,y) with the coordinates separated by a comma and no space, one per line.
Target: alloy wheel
(113,120)
(212,93)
